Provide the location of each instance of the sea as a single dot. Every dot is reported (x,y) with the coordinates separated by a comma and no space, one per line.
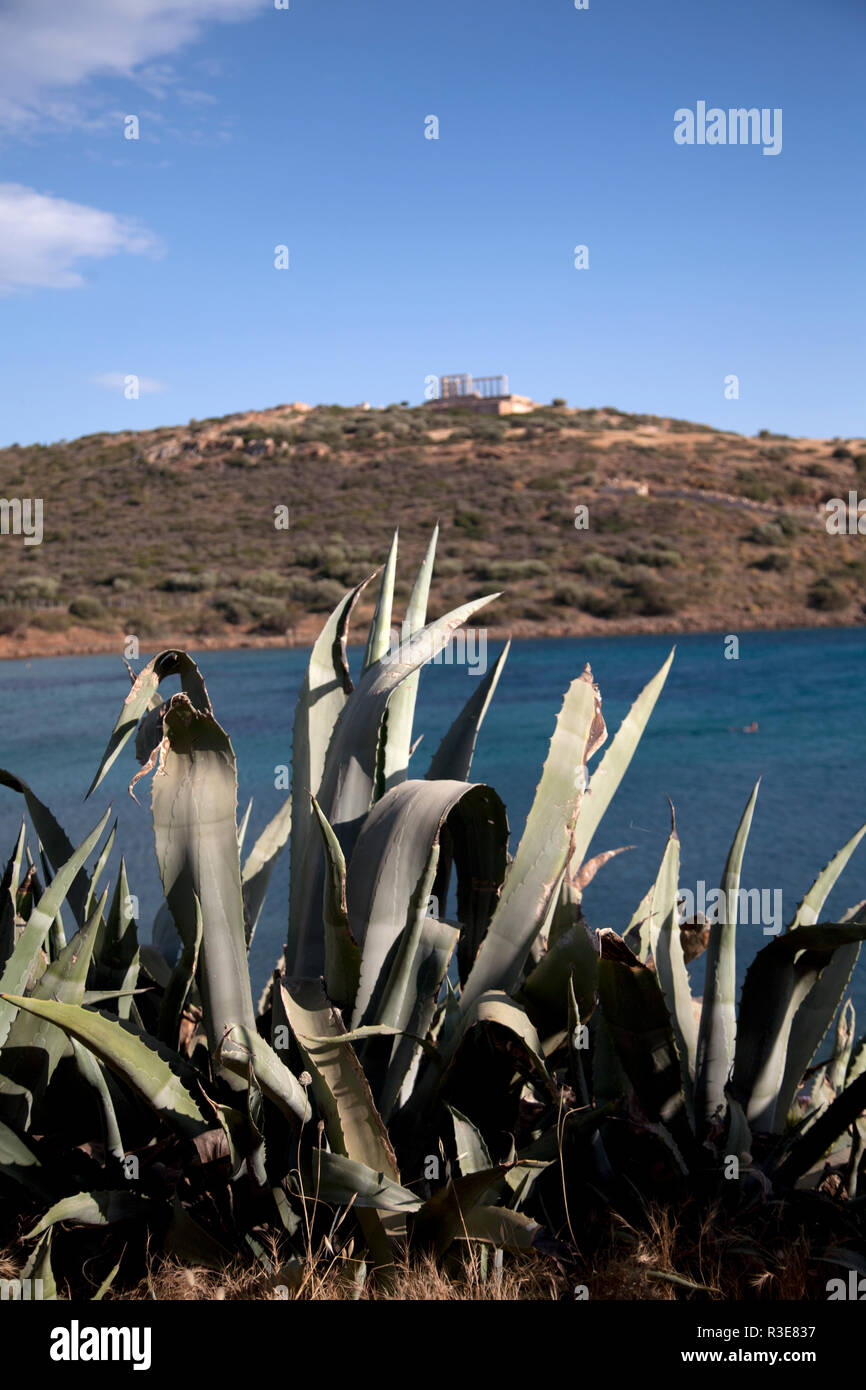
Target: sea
(800,693)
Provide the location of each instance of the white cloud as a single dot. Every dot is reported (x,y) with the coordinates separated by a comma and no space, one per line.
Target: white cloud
(48,49)
(42,238)
(118,381)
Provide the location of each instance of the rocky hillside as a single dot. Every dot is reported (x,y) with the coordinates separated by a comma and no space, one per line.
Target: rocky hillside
(171,534)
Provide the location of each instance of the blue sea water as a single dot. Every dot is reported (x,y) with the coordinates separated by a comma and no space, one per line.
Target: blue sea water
(804,689)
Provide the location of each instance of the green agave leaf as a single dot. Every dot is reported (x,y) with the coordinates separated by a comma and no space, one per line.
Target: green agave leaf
(34,1046)
(107,1281)
(571,957)
(116,954)
(18,1162)
(39,1267)
(43,913)
(352,1122)
(536,872)
(140,700)
(817,1011)
(444,1216)
(499,1226)
(242,1048)
(342,1181)
(91,1071)
(670,962)
(91,1209)
(326,688)
(809,910)
(432,955)
(194,803)
(612,768)
(182,978)
(718,1025)
(640,1028)
(349,783)
(158,1075)
(472,1154)
(844,1111)
(342,953)
(380,628)
(99,870)
(391,866)
(260,864)
(9,897)
(243,826)
(453,758)
(776,984)
(401,710)
(56,842)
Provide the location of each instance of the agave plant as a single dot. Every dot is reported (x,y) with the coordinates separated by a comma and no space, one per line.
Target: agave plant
(410,1075)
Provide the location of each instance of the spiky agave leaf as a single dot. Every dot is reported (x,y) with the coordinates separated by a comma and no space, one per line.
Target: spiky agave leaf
(718,1025)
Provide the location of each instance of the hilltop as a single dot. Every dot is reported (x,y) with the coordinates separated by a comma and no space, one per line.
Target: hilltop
(169,533)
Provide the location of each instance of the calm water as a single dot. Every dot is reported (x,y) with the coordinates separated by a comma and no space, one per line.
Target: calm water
(803,688)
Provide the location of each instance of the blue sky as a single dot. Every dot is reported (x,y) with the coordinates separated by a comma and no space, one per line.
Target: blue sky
(411,257)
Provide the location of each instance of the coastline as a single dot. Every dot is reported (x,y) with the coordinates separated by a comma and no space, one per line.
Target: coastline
(33,643)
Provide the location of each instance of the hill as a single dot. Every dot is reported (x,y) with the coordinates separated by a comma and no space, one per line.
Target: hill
(170,533)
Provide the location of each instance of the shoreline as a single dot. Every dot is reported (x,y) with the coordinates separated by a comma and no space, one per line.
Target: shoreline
(34,644)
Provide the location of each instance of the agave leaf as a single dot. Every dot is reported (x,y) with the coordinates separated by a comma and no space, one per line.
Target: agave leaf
(497,1007)
(571,957)
(380,627)
(342,1181)
(612,768)
(242,827)
(809,1146)
(670,963)
(453,758)
(17,1161)
(139,701)
(160,1076)
(342,953)
(809,910)
(637,933)
(443,1216)
(99,870)
(34,1047)
(390,866)
(343,1095)
(349,783)
(198,858)
(175,997)
(260,864)
(90,1209)
(327,685)
(57,844)
(548,841)
(817,1011)
(91,1071)
(640,1028)
(472,1154)
(9,897)
(116,954)
(242,1048)
(107,1281)
(718,1025)
(38,1267)
(501,1227)
(435,947)
(43,913)
(401,710)
(776,984)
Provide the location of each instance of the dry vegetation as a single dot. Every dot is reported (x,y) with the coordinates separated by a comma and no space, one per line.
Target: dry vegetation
(170,533)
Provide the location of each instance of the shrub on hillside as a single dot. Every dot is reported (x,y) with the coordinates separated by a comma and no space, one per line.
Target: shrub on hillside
(88,609)
(826,596)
